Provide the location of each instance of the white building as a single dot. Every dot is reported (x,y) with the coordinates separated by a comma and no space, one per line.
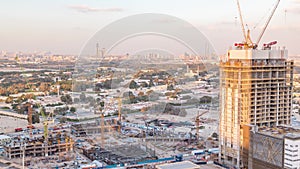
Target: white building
(292,151)
(4,139)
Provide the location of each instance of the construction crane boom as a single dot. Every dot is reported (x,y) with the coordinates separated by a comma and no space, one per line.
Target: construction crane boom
(29,116)
(241,19)
(247,39)
(119,113)
(267,23)
(45,123)
(197,122)
(102,125)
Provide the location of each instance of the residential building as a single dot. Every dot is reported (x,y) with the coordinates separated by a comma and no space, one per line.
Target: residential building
(292,151)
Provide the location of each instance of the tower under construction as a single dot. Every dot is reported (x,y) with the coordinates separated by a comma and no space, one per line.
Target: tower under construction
(255,89)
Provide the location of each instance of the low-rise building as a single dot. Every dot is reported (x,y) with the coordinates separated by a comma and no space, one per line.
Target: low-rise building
(272,148)
(4,139)
(292,151)
(37,147)
(93,128)
(179,165)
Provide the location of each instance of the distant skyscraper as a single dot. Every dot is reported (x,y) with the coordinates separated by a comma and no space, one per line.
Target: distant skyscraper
(255,89)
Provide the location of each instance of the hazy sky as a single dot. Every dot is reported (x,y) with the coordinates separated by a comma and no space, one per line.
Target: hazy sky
(64,26)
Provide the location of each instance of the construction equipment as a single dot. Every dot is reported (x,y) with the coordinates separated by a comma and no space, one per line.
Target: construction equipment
(267,23)
(102,122)
(247,40)
(102,130)
(46,122)
(268,45)
(242,21)
(197,122)
(119,99)
(30,126)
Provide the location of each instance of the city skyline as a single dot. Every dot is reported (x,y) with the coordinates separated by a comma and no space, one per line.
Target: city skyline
(64,27)
(150,84)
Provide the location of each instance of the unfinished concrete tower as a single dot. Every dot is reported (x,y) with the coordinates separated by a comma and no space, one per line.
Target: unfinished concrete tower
(255,89)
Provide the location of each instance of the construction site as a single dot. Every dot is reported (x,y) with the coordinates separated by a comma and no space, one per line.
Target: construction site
(139,138)
(180,122)
(36,147)
(121,154)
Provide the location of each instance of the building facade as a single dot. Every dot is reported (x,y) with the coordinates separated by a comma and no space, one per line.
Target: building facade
(292,151)
(272,148)
(255,89)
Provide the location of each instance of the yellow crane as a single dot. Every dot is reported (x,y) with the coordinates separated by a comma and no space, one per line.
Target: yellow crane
(46,122)
(29,116)
(197,123)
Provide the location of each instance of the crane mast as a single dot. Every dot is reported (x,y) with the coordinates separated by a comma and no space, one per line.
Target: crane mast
(46,122)
(30,126)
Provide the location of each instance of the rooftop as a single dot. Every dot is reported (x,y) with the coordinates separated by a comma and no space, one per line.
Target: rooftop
(4,137)
(280,132)
(274,53)
(179,165)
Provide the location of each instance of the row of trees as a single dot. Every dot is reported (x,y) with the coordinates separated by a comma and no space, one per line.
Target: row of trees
(134,85)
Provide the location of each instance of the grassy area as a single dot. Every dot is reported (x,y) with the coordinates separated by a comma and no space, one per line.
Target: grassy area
(5,108)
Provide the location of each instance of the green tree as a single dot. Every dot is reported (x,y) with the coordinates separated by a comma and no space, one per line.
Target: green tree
(66,99)
(205,99)
(9,100)
(133,85)
(63,120)
(72,109)
(151,83)
(102,103)
(170,87)
(215,135)
(63,98)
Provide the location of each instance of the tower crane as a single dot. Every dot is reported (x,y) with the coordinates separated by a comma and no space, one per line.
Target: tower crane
(197,122)
(267,23)
(242,21)
(119,99)
(45,123)
(104,125)
(247,40)
(30,126)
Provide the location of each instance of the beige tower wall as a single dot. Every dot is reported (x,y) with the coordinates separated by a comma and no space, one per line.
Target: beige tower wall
(255,89)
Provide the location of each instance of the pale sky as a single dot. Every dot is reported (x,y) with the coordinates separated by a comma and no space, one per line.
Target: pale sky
(63,27)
